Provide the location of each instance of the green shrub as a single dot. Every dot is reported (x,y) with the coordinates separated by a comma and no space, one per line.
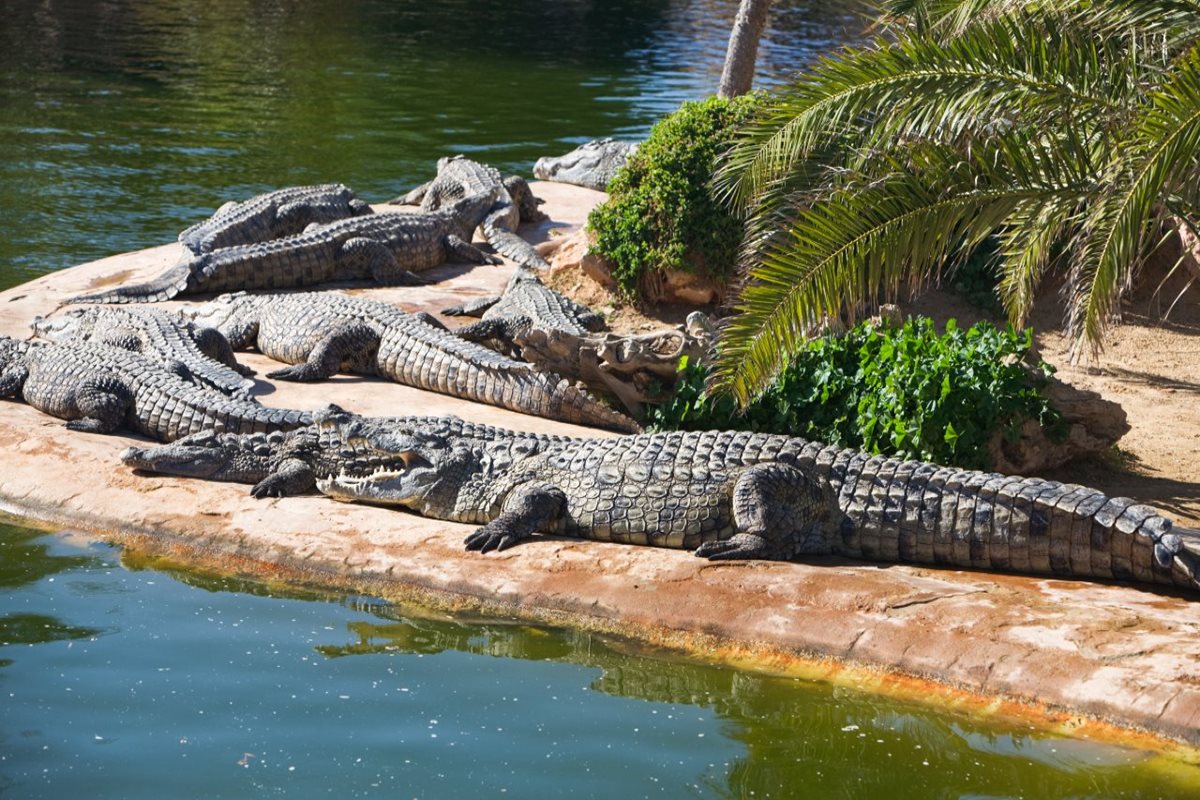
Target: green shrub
(661,214)
(905,391)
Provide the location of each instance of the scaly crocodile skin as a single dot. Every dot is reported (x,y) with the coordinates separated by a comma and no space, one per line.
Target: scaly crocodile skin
(161,335)
(283,212)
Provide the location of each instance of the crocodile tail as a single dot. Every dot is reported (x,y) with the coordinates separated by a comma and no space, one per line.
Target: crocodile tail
(903,511)
(558,398)
(1183,547)
(511,246)
(164,287)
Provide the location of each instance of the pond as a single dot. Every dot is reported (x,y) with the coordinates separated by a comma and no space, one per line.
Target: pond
(120,683)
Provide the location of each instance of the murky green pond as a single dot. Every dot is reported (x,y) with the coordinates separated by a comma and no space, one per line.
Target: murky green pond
(129,684)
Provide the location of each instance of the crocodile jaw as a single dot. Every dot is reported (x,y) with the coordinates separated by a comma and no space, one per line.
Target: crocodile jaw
(389,487)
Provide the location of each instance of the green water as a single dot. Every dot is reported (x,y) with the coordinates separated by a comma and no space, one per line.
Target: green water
(129,684)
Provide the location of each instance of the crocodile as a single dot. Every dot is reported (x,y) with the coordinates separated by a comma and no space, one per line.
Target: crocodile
(458,176)
(283,212)
(161,335)
(99,389)
(591,165)
(384,247)
(321,333)
(722,494)
(527,303)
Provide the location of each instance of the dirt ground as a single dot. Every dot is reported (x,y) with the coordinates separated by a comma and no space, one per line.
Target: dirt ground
(1150,366)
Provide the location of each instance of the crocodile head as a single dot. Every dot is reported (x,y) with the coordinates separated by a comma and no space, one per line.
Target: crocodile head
(215,456)
(233,314)
(592,164)
(75,324)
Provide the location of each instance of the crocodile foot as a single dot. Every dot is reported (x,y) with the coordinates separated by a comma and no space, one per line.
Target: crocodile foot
(740,545)
(490,537)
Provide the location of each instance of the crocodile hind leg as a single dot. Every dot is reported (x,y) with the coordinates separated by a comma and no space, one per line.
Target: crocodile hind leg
(773,504)
(526,510)
(380,262)
(101,404)
(351,340)
(12,379)
(465,251)
(213,344)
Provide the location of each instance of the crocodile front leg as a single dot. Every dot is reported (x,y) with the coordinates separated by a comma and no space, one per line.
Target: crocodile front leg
(102,404)
(465,251)
(526,510)
(350,340)
(772,505)
(497,334)
(292,477)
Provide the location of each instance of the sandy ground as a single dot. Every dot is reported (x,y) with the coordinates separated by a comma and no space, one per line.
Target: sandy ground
(1052,653)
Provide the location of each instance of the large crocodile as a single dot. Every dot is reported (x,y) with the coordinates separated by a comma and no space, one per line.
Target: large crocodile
(727,495)
(383,247)
(526,303)
(592,164)
(100,389)
(158,334)
(322,333)
(459,176)
(282,212)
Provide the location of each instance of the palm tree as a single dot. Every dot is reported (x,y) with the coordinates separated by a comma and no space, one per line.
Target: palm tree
(1068,130)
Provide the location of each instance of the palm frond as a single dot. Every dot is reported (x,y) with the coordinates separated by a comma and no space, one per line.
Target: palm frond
(1163,154)
(864,239)
(998,74)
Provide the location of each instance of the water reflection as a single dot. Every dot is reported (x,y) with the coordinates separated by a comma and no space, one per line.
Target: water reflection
(26,558)
(814,741)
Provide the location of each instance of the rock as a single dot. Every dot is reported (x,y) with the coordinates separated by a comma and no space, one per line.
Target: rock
(674,286)
(573,253)
(1095,425)
(659,286)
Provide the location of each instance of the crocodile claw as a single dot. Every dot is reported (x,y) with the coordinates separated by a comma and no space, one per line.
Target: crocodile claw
(267,487)
(740,545)
(296,372)
(485,540)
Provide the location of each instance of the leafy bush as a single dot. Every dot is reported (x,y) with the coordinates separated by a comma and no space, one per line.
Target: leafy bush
(905,391)
(661,214)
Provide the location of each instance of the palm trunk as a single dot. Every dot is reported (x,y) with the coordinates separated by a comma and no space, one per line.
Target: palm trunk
(740,58)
